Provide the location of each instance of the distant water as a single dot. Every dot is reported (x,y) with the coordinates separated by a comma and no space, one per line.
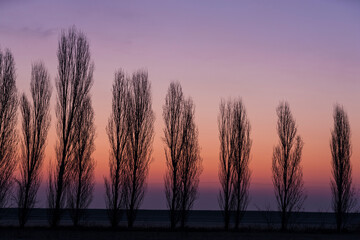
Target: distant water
(261,197)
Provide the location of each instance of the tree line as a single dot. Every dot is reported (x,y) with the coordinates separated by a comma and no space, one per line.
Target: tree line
(130,132)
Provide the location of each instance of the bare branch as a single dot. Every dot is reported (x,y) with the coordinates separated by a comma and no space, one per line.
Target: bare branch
(343,192)
(35,126)
(234,172)
(182,154)
(173,138)
(226,155)
(8,121)
(82,165)
(141,133)
(241,156)
(73,83)
(190,161)
(287,171)
(118,134)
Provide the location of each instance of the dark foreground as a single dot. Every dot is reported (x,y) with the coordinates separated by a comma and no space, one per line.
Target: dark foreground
(196,220)
(148,234)
(154,224)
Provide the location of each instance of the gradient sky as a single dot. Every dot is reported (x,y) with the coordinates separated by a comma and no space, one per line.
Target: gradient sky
(304,52)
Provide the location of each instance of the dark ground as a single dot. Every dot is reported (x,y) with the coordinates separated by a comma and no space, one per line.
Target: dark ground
(106,233)
(197,219)
(154,224)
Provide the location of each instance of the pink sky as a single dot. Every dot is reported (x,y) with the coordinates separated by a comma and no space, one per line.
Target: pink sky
(304,52)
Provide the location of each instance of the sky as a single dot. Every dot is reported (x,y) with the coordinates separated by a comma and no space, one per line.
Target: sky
(304,52)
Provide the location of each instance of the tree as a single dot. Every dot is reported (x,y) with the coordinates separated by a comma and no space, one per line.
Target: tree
(287,171)
(8,121)
(241,154)
(139,149)
(226,155)
(190,162)
(234,173)
(343,192)
(173,131)
(82,166)
(73,83)
(35,125)
(182,154)
(118,134)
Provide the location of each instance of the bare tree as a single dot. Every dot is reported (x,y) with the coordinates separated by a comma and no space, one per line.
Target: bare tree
(226,155)
(182,154)
(235,146)
(73,83)
(8,121)
(173,131)
(118,133)
(139,149)
(35,126)
(241,154)
(287,171)
(190,162)
(82,165)
(343,192)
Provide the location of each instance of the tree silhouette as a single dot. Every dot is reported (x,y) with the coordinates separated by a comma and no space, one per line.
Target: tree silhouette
(174,140)
(73,83)
(287,172)
(82,164)
(190,162)
(8,120)
(118,134)
(139,149)
(343,193)
(35,126)
(234,172)
(226,138)
(182,154)
(241,154)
